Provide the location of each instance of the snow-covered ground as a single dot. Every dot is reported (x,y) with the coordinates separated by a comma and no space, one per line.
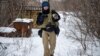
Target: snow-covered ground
(68,43)
(7,29)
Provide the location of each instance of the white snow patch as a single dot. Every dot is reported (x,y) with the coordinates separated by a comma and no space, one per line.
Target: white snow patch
(66,44)
(27,20)
(7,29)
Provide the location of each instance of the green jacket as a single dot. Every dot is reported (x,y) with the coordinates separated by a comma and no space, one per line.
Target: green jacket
(47,20)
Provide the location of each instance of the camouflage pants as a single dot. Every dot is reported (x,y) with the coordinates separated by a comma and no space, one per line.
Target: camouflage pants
(49,42)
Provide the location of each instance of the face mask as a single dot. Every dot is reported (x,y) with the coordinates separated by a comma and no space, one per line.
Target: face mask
(45,10)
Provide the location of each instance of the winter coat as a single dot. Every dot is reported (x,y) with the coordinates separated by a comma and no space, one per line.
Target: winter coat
(48,22)
(43,20)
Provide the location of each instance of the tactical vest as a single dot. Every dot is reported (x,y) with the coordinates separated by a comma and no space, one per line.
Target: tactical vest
(48,20)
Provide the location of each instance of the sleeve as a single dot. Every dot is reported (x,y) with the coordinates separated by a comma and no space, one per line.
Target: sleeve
(55,16)
(40,19)
(37,20)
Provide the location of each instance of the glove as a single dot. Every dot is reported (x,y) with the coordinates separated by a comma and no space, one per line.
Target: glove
(49,27)
(55,16)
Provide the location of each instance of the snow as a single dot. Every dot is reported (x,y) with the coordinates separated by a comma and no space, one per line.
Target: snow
(27,20)
(67,43)
(7,29)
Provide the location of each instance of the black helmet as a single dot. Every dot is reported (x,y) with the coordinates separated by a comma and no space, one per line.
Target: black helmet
(45,3)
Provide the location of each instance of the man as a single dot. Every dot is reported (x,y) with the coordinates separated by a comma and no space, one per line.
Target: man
(48,22)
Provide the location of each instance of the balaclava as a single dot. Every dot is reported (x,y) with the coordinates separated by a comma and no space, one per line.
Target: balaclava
(45,3)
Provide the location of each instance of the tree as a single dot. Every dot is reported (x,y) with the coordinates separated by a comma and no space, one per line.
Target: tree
(90,13)
(9,10)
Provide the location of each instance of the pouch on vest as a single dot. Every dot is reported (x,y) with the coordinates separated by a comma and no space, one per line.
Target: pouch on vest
(49,27)
(40,32)
(57,30)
